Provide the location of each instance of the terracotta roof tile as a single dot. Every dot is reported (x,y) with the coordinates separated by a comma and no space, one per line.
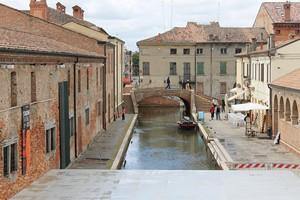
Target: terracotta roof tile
(291,80)
(276,11)
(17,40)
(199,33)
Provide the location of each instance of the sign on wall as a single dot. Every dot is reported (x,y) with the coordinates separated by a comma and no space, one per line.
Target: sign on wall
(25,134)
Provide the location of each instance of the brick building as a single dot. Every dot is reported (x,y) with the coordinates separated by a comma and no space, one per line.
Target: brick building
(113,50)
(279,18)
(51,96)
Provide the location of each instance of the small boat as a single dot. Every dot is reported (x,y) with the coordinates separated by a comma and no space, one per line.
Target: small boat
(186,123)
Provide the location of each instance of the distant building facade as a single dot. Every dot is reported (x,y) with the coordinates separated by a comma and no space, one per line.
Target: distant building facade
(202,55)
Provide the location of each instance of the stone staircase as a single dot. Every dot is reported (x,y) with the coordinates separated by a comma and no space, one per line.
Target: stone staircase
(203,103)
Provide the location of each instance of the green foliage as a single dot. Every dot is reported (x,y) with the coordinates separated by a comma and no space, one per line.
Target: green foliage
(135,58)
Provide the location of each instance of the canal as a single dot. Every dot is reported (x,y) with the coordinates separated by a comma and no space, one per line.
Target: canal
(158,144)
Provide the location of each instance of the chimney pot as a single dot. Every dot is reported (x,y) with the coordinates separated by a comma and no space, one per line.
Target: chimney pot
(78,12)
(60,7)
(39,9)
(287,11)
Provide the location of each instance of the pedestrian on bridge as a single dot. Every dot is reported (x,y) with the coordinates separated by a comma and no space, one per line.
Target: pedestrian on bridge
(212,111)
(168,83)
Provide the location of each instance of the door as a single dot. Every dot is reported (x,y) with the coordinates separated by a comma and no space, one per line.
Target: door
(64,126)
(187,72)
(200,88)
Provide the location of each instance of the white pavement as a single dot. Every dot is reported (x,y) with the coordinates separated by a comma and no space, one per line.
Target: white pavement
(249,150)
(173,185)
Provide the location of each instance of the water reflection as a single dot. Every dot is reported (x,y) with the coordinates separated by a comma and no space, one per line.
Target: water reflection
(158,144)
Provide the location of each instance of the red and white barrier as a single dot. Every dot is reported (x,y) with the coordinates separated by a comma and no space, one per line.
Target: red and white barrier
(249,166)
(263,166)
(285,166)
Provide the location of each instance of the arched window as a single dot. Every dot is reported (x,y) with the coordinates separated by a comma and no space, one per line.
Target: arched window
(275,104)
(287,110)
(295,114)
(33,87)
(275,116)
(281,109)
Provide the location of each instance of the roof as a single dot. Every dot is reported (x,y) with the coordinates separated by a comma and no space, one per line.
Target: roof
(278,45)
(10,40)
(276,11)
(60,18)
(211,33)
(291,80)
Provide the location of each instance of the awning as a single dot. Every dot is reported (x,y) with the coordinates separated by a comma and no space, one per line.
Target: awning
(248,107)
(237,95)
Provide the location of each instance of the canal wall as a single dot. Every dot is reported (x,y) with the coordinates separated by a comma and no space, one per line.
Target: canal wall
(117,164)
(215,147)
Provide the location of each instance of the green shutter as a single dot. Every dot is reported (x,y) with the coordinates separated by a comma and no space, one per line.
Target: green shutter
(223,68)
(200,68)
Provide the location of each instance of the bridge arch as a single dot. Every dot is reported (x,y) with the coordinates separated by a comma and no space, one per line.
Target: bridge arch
(184,95)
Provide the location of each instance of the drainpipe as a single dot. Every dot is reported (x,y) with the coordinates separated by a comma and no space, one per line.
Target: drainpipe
(104,87)
(196,69)
(270,95)
(75,107)
(211,68)
(114,78)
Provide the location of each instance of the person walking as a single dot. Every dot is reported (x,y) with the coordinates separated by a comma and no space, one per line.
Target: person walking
(212,111)
(123,113)
(218,112)
(223,105)
(168,83)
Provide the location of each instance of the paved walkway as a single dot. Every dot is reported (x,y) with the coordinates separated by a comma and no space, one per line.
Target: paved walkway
(163,185)
(103,150)
(249,150)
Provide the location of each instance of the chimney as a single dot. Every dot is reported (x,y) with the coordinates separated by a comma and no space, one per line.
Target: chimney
(60,8)
(78,12)
(254,44)
(39,9)
(287,11)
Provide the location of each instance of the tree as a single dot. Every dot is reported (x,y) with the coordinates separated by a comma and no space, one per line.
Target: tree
(135,58)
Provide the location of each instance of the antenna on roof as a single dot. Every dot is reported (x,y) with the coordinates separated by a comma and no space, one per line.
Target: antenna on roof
(172,13)
(218,12)
(163,13)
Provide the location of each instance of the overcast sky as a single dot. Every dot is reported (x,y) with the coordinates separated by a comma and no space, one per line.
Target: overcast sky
(134,20)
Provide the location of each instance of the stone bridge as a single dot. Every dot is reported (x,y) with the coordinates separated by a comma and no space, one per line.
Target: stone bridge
(187,96)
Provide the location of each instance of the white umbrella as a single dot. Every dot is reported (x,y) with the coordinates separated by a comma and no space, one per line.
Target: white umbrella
(248,107)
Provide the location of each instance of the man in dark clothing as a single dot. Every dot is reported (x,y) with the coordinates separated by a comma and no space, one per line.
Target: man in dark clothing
(168,83)
(212,111)
(218,112)
(223,105)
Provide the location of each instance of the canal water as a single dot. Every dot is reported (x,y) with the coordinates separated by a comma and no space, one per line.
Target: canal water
(158,144)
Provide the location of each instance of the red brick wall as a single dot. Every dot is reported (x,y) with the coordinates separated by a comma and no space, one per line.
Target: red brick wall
(287,32)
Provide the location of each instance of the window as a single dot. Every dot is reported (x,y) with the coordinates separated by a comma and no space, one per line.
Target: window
(262,74)
(79,81)
(223,68)
(200,68)
(99,108)
(199,51)
(87,79)
(33,87)
(72,126)
(223,88)
(10,159)
(173,51)
(69,81)
(173,68)
(223,50)
(87,116)
(297,32)
(146,68)
(255,66)
(186,51)
(238,50)
(277,32)
(13,89)
(50,140)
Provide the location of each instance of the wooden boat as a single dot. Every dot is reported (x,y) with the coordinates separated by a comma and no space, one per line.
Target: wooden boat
(186,123)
